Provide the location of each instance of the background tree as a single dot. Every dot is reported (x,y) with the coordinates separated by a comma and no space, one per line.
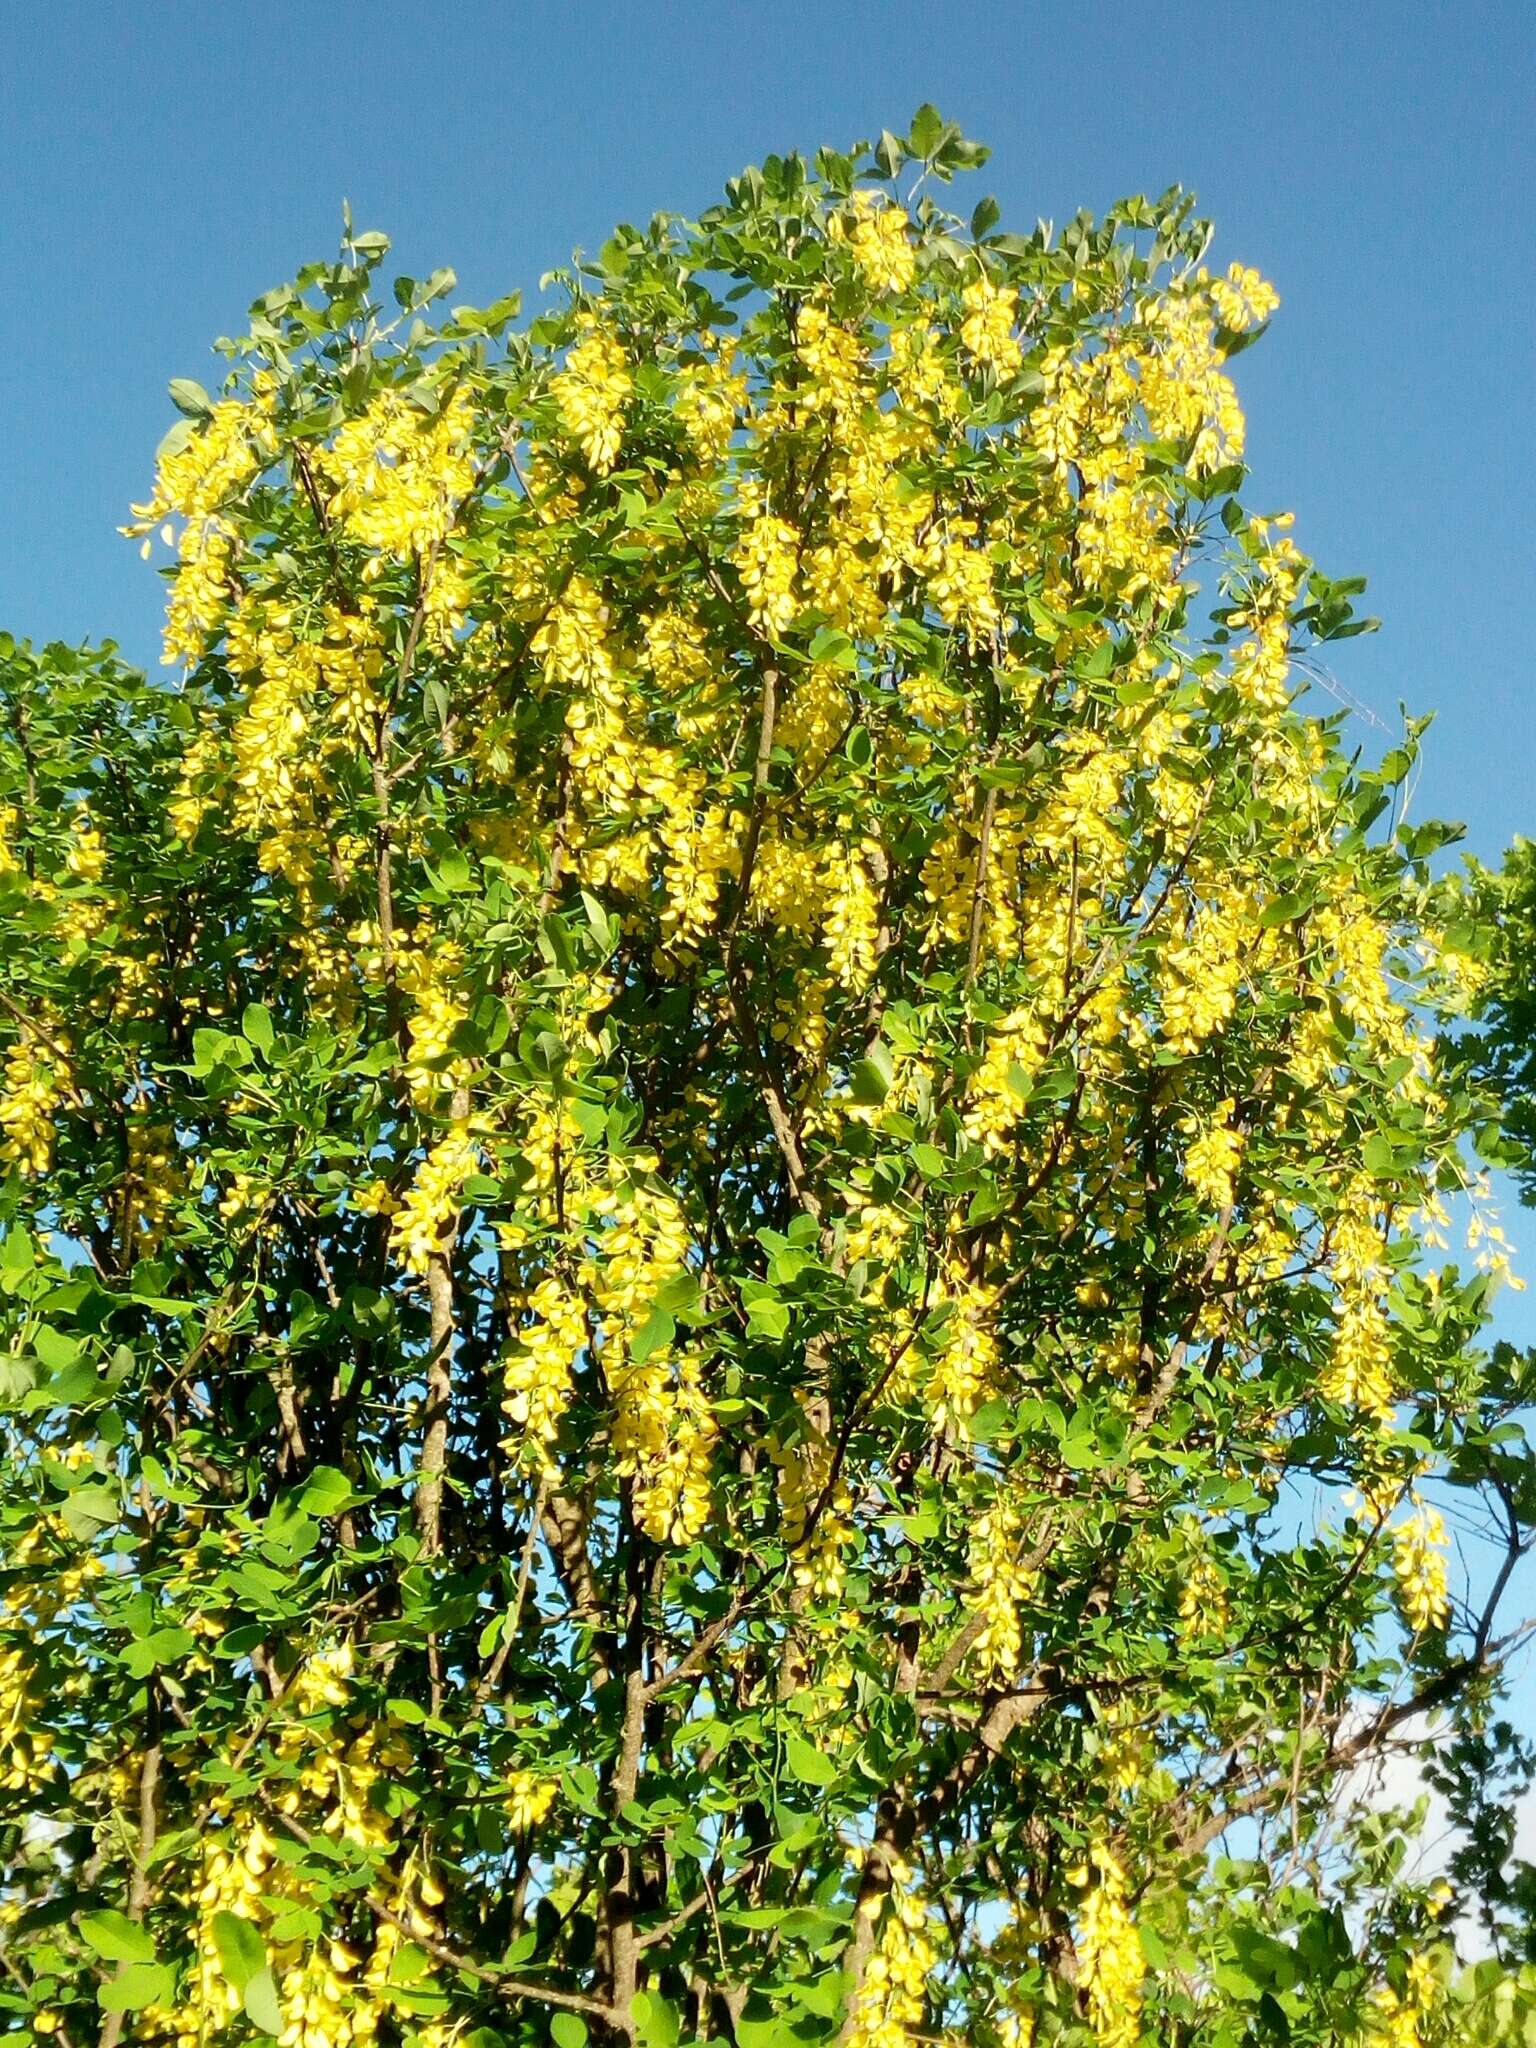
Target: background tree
(724,1152)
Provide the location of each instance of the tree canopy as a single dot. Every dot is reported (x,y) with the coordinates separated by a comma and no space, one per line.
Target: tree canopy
(728,1150)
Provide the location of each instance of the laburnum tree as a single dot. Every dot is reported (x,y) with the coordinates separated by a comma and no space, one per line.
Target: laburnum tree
(727,1161)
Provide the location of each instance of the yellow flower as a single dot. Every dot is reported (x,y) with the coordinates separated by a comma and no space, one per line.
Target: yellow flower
(1203,1608)
(663,1434)
(592,391)
(995,1093)
(807,1490)
(1243,299)
(538,1375)
(1111,1964)
(879,246)
(1001,1585)
(960,585)
(26,1763)
(529,1799)
(431,1203)
(765,559)
(1199,974)
(965,1363)
(207,465)
(30,1091)
(1420,1568)
(987,329)
(572,639)
(851,920)
(1212,1156)
(1124,1748)
(888,2008)
(710,395)
(399,474)
(1398,2016)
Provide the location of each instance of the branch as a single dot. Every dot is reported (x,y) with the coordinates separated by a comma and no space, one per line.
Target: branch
(434,1443)
(139,1889)
(979,890)
(767,713)
(510,1627)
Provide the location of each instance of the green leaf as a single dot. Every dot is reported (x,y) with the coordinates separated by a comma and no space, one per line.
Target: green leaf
(174,440)
(54,1348)
(160,1646)
(326,1491)
(208,1048)
(256,1023)
(1098,664)
(923,1526)
(599,920)
(808,1764)
(1284,909)
(985,217)
(434,693)
(115,1936)
(1235,1983)
(830,645)
(75,1386)
(1081,1452)
(409,1964)
(454,871)
(242,1952)
(823,1995)
(1269,1964)
(770,2033)
(188,396)
(304,1312)
(263,2007)
(138,1985)
(679,1296)
(654,1334)
(870,1079)
(989,1421)
(768,1318)
(90,1508)
(656,2020)
(1379,1156)
(1021,1082)
(927,130)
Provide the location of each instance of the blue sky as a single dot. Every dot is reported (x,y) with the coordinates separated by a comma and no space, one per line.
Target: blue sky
(162,165)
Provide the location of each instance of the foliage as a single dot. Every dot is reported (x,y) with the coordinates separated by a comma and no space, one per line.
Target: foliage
(725,1145)
(1501,906)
